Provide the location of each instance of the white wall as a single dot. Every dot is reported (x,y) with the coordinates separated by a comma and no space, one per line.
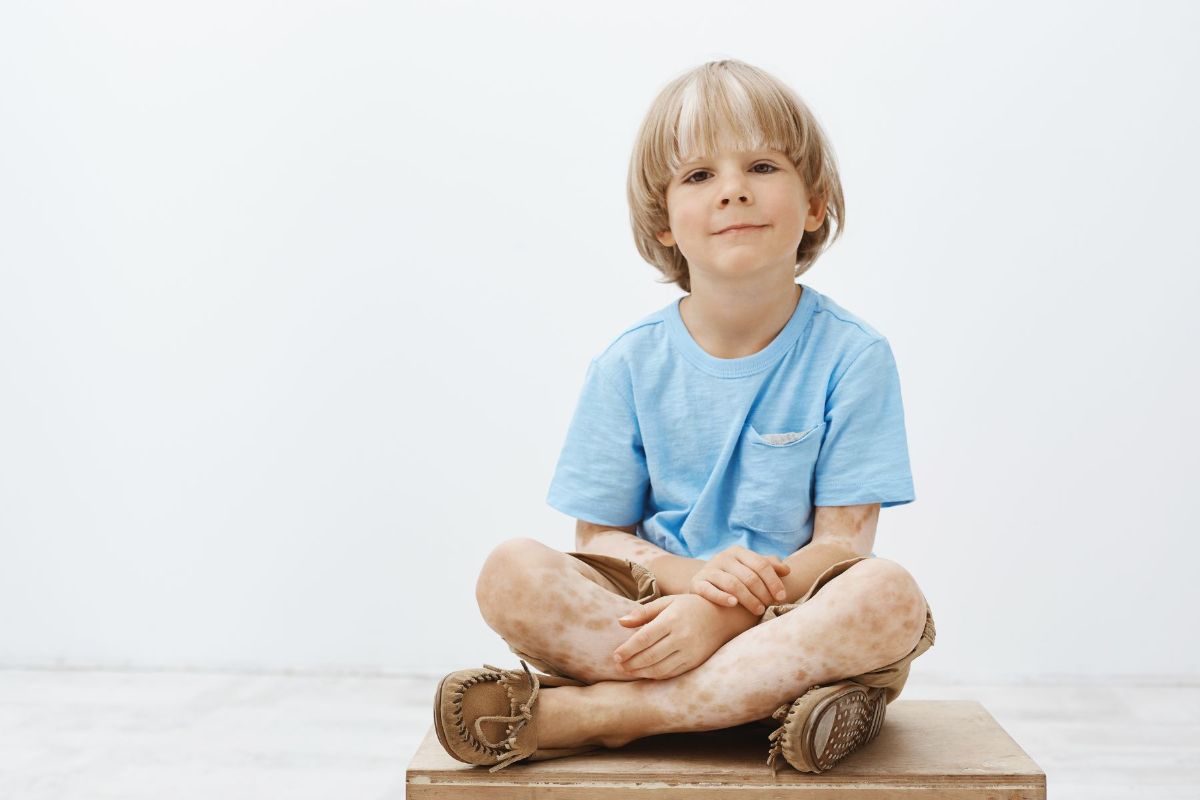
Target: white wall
(296,301)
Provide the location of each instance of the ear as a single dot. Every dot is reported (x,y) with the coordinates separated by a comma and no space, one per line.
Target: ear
(816,214)
(665,238)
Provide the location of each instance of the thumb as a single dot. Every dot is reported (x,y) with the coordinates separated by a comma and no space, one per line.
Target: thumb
(645,612)
(782,567)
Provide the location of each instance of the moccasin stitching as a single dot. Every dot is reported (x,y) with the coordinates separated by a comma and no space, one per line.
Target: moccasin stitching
(505,751)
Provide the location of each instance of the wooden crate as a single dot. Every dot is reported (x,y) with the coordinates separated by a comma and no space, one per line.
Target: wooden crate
(927,749)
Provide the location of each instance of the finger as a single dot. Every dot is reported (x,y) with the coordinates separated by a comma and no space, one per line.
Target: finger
(659,669)
(781,568)
(675,664)
(651,655)
(732,585)
(773,587)
(735,580)
(726,585)
(715,595)
(643,613)
(751,580)
(645,637)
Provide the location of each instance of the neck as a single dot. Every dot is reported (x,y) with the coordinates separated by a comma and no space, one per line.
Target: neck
(734,325)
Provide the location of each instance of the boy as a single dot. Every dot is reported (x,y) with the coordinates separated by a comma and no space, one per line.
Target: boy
(726,463)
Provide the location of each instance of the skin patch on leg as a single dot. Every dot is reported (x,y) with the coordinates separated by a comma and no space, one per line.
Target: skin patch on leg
(846,629)
(556,614)
(850,627)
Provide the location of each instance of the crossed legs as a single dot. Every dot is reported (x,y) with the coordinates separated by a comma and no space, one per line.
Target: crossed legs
(548,603)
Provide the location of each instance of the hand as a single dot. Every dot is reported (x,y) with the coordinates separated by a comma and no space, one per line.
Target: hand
(737,574)
(676,633)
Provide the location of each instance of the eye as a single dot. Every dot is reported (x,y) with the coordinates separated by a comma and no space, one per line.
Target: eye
(773,168)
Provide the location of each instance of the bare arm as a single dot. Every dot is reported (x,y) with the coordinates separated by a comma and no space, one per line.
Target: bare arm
(839,533)
(673,573)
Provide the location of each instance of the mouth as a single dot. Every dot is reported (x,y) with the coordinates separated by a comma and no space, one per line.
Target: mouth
(740,229)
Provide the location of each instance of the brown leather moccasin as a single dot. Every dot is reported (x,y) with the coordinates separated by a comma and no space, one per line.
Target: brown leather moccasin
(488,716)
(826,724)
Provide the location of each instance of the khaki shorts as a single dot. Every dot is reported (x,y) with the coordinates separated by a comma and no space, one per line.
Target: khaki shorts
(636,582)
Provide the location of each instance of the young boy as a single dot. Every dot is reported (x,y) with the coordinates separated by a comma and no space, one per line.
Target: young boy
(726,464)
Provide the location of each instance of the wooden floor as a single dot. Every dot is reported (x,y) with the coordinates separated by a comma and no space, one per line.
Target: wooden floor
(177,735)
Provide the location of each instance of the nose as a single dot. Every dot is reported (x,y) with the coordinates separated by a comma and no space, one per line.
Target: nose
(737,187)
(733,183)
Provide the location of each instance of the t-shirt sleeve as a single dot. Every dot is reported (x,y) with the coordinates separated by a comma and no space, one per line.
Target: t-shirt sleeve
(864,455)
(601,474)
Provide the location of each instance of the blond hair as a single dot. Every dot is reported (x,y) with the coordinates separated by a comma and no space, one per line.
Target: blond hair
(686,120)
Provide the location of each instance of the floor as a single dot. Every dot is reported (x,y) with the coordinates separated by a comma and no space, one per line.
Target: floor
(67,734)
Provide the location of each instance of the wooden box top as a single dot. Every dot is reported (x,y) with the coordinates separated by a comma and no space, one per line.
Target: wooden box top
(926,749)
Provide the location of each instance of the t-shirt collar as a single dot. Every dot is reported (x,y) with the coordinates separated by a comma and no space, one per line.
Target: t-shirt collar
(746,365)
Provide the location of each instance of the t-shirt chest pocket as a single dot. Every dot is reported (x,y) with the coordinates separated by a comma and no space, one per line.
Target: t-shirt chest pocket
(774,488)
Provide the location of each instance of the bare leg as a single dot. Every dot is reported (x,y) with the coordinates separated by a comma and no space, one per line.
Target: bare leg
(544,602)
(547,603)
(865,618)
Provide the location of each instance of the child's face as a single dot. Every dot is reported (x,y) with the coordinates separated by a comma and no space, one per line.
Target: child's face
(759,188)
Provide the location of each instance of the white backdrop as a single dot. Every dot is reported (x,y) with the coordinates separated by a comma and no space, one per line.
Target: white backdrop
(296,301)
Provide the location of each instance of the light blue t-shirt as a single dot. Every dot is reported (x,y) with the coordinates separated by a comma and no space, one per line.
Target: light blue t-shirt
(705,452)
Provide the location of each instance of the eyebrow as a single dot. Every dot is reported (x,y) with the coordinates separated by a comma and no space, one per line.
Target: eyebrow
(744,152)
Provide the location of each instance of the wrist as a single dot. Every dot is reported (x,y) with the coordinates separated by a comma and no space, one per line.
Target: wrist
(674,573)
(808,563)
(733,620)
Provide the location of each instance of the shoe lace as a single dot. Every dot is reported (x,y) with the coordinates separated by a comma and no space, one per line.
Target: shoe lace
(515,721)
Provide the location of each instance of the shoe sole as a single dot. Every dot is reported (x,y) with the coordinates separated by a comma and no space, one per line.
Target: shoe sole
(437,720)
(842,723)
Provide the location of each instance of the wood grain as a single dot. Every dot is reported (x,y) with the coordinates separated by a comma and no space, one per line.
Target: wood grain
(927,749)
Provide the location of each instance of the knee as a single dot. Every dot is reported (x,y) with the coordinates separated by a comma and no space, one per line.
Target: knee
(900,601)
(888,574)
(503,570)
